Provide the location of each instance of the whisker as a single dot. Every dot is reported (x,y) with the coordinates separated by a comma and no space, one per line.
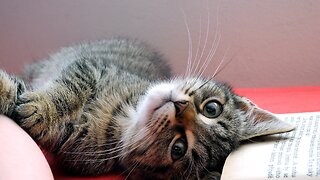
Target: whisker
(189,63)
(214,47)
(191,165)
(210,56)
(212,173)
(206,37)
(221,62)
(134,166)
(107,142)
(197,173)
(133,146)
(224,66)
(109,151)
(206,82)
(193,71)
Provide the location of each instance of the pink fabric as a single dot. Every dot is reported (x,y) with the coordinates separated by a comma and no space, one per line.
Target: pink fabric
(276,100)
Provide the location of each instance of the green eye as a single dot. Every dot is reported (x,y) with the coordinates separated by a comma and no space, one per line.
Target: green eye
(212,109)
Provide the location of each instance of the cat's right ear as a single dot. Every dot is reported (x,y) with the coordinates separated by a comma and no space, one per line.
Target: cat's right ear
(258,122)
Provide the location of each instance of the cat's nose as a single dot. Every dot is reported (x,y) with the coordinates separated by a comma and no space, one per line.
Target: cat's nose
(180,106)
(185,113)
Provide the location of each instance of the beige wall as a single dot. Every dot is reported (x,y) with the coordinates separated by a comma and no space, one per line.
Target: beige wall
(272,42)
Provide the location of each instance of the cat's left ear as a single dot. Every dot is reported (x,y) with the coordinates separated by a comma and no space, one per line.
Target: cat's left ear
(258,122)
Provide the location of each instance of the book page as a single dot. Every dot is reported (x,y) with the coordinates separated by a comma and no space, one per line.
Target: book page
(292,155)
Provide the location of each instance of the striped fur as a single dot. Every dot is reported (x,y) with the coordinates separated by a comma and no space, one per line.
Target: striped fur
(112,105)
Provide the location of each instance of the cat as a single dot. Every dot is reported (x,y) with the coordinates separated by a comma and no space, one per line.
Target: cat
(113,105)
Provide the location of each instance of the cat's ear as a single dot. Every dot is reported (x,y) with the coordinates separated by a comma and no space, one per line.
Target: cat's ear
(258,122)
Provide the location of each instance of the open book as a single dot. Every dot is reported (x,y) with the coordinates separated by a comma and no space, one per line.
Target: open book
(292,155)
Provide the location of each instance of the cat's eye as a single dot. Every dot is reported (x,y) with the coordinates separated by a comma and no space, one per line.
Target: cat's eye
(212,109)
(178,149)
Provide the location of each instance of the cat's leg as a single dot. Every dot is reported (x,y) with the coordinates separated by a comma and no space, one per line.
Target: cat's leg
(10,88)
(49,114)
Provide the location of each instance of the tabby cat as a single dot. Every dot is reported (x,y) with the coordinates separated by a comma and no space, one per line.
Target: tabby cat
(112,105)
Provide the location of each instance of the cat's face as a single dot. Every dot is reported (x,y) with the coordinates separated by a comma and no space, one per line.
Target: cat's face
(185,128)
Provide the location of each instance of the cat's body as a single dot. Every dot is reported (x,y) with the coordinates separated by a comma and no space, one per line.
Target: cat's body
(112,105)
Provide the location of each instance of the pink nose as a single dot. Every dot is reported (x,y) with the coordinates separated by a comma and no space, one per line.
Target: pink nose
(180,106)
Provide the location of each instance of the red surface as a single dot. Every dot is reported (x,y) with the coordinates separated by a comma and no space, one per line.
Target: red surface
(284,100)
(276,100)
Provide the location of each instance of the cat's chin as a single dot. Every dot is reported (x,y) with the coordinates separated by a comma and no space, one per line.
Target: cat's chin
(155,98)
(155,121)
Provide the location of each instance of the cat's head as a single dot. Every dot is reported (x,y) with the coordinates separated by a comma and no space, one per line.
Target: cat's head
(185,128)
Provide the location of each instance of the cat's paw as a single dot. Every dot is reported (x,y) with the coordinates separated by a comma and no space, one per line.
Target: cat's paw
(32,112)
(10,88)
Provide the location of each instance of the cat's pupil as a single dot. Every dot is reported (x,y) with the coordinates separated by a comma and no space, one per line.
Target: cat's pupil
(178,149)
(212,109)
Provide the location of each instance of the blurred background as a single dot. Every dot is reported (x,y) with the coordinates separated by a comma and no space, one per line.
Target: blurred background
(265,43)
